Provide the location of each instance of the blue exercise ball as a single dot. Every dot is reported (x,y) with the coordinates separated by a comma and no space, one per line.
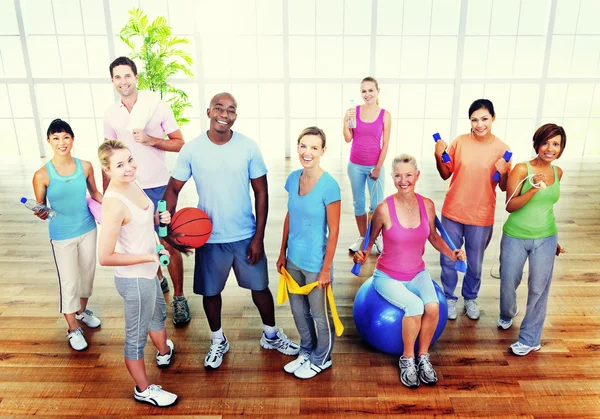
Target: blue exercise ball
(380,322)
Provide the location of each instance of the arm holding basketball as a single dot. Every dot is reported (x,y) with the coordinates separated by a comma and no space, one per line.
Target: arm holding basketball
(256,250)
(171,196)
(284,241)
(113,216)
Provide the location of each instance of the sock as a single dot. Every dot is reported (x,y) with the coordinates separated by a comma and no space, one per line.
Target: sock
(270,331)
(218,335)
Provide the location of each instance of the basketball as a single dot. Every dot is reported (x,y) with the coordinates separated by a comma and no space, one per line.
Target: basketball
(194,224)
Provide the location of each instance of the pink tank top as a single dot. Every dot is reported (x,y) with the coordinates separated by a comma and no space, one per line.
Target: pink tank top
(403,248)
(136,237)
(366,142)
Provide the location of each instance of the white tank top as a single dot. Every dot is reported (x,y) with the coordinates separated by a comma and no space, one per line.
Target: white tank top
(137,237)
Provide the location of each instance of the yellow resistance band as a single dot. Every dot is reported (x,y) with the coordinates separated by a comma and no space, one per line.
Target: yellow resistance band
(287,284)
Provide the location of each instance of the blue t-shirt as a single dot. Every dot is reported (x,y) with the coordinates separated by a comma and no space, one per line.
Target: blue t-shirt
(66,196)
(222,175)
(307,239)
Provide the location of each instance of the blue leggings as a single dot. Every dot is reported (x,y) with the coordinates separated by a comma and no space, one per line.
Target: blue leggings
(411,296)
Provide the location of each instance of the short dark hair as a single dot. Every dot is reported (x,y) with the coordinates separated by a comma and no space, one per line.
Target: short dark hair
(123,61)
(482,104)
(58,125)
(546,132)
(313,131)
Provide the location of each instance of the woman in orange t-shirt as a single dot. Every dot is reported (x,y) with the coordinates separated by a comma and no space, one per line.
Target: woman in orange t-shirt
(468,210)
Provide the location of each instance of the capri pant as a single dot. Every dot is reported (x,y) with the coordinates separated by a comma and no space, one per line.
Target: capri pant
(145,309)
(411,296)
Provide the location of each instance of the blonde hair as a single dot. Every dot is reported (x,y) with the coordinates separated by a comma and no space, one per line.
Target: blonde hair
(107,149)
(372,80)
(404,158)
(313,131)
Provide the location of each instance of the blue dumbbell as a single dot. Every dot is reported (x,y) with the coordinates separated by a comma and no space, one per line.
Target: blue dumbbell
(507,156)
(445,156)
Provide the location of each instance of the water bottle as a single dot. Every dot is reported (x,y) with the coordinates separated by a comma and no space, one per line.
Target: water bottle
(36,206)
(352,120)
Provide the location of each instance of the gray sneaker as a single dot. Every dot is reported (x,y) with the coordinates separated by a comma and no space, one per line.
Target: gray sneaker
(409,374)
(164,285)
(472,309)
(181,311)
(452,310)
(426,372)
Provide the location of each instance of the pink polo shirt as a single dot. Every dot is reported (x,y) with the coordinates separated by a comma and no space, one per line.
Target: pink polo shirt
(152,169)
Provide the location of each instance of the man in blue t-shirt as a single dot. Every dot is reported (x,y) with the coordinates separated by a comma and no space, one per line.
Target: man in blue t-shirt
(224,164)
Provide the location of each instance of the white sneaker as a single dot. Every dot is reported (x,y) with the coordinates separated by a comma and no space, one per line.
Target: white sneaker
(357,245)
(309,370)
(296,363)
(155,396)
(452,310)
(76,339)
(89,319)
(280,342)
(505,325)
(378,246)
(164,361)
(214,357)
(472,309)
(521,349)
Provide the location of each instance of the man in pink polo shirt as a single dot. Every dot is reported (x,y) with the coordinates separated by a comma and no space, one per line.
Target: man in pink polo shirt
(148,146)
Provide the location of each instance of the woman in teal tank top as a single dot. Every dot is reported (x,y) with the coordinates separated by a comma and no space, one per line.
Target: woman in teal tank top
(63,181)
(530,232)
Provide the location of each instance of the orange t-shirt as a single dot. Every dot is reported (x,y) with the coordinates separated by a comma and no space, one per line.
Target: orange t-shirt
(471,197)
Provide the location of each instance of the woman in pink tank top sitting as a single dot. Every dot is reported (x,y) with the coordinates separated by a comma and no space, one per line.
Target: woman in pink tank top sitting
(406,221)
(370,138)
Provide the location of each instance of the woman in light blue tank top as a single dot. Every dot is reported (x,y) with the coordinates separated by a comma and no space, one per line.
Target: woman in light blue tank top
(63,182)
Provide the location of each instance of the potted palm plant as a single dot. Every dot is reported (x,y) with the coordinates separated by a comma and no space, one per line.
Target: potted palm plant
(154,45)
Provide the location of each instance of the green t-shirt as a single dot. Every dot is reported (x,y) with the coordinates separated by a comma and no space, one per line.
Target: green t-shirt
(535,219)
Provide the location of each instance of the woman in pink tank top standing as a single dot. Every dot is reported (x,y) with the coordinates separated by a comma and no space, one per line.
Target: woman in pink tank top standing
(406,221)
(370,139)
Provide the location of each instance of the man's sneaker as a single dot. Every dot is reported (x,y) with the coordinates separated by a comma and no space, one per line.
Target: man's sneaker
(521,349)
(89,319)
(214,357)
(181,311)
(378,246)
(290,367)
(164,361)
(472,309)
(505,325)
(452,310)
(309,370)
(280,342)
(155,396)
(357,245)
(426,372)
(164,285)
(76,339)
(409,375)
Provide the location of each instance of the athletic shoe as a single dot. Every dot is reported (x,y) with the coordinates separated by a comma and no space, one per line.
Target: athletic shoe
(214,357)
(472,309)
(164,285)
(378,247)
(357,245)
(426,372)
(521,349)
(280,342)
(89,319)
(76,339)
(409,374)
(155,396)
(181,311)
(505,325)
(164,361)
(452,309)
(296,363)
(309,370)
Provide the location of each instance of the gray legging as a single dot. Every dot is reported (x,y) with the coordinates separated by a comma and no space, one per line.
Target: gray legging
(145,309)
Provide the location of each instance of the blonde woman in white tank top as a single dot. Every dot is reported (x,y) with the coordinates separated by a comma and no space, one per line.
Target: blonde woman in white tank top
(128,218)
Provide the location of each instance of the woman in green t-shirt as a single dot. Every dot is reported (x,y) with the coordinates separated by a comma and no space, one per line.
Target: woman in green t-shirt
(533,188)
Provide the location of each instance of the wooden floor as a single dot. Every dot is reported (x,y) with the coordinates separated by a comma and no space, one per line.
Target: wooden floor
(40,375)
